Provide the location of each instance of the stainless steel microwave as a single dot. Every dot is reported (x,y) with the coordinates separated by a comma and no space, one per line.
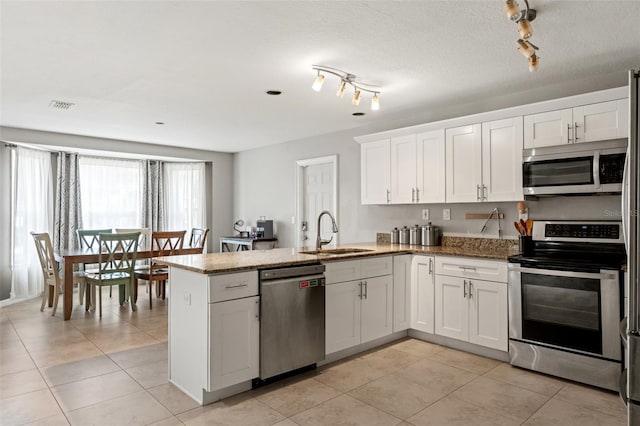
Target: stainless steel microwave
(583,168)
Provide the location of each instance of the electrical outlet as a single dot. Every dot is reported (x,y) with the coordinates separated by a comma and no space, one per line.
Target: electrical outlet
(293,220)
(186,296)
(446,214)
(425,214)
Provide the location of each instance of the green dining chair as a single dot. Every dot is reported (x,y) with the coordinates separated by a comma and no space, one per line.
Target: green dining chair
(116,265)
(88,240)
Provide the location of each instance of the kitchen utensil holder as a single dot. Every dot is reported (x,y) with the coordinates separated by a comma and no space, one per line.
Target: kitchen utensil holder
(525,244)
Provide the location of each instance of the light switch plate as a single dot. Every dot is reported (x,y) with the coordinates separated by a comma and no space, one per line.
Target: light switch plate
(425,214)
(446,214)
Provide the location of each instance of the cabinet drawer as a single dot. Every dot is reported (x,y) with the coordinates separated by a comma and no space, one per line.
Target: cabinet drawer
(233,286)
(337,272)
(376,266)
(490,270)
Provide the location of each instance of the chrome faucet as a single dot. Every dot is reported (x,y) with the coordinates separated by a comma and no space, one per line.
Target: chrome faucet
(319,241)
(484,227)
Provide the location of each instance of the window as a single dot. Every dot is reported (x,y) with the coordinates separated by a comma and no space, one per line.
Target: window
(111,194)
(185,197)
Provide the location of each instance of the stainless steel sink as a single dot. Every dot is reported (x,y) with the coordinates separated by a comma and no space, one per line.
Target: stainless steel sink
(343,250)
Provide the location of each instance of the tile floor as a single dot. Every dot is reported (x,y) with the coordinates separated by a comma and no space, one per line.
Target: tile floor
(114,372)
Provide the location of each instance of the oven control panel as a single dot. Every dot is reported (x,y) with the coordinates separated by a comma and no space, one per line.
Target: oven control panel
(591,231)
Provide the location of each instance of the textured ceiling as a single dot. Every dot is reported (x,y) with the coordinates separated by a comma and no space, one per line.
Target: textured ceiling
(202,67)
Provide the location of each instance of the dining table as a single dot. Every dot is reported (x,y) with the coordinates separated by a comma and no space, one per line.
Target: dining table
(76,256)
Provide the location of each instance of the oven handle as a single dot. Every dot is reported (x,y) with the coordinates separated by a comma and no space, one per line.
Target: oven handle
(596,169)
(601,275)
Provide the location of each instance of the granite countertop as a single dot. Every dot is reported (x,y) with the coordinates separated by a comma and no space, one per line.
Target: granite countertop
(211,263)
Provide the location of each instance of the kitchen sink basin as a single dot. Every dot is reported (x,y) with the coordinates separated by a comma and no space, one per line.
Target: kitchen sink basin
(343,250)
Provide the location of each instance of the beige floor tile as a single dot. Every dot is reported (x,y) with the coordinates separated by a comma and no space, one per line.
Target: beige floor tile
(124,342)
(19,383)
(171,421)
(131,410)
(82,393)
(286,422)
(160,333)
(344,410)
(28,407)
(397,395)
(595,399)
(530,380)
(15,359)
(436,376)
(173,398)
(559,413)
(452,411)
(297,397)
(390,360)
(465,361)
(237,410)
(7,333)
(501,398)
(55,420)
(348,375)
(418,347)
(62,354)
(140,356)
(151,374)
(78,370)
(65,338)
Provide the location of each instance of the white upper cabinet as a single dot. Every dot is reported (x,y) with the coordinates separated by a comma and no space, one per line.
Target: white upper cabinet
(502,160)
(375,172)
(587,123)
(404,169)
(463,163)
(430,187)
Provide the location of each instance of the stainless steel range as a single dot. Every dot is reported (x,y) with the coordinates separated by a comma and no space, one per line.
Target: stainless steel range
(565,301)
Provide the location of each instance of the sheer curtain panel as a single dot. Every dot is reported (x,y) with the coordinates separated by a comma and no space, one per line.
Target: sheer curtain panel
(111,192)
(67,211)
(184,190)
(33,211)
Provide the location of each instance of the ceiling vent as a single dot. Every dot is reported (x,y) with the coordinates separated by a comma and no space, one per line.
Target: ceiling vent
(61,105)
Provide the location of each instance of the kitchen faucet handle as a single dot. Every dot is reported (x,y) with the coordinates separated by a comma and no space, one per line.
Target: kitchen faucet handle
(325,242)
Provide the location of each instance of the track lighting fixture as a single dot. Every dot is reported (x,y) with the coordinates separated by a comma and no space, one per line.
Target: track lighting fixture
(523,19)
(350,79)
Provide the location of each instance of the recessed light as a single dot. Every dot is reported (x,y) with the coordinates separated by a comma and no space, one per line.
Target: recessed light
(273,92)
(358,114)
(160,123)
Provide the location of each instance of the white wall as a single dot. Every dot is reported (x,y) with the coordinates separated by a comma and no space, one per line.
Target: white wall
(264,178)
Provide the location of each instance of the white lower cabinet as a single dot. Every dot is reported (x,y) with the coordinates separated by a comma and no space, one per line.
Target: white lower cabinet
(402,294)
(469,308)
(422,293)
(360,310)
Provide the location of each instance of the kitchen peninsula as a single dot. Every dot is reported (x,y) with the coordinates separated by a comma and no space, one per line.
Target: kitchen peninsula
(215,306)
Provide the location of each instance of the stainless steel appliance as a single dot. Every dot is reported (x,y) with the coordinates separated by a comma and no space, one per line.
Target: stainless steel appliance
(264,228)
(292,323)
(589,167)
(404,235)
(630,385)
(415,235)
(431,235)
(565,302)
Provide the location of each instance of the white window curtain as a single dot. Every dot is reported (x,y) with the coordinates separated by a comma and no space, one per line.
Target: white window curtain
(185,197)
(111,192)
(32,212)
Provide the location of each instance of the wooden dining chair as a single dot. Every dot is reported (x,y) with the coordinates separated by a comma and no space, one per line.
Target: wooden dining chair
(198,238)
(50,272)
(166,243)
(88,240)
(116,265)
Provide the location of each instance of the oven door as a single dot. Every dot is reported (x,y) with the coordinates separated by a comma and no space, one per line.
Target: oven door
(574,311)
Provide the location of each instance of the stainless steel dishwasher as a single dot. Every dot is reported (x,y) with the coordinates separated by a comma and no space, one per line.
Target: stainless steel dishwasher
(291,318)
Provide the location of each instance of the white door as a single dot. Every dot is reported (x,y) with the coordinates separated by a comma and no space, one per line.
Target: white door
(234,341)
(318,186)
(403,169)
(375,165)
(401,292)
(464,163)
(430,187)
(502,160)
(605,120)
(342,311)
(451,308)
(488,322)
(548,128)
(377,308)
(422,294)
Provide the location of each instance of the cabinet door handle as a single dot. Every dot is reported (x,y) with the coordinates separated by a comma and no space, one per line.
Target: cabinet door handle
(360,285)
(471,268)
(236,286)
(365,289)
(417,195)
(388,196)
(470,289)
(430,266)
(413,195)
(464,294)
(568,130)
(485,190)
(258,310)
(575,132)
(477,192)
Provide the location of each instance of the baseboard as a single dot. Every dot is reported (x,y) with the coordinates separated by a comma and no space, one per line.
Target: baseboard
(335,356)
(460,345)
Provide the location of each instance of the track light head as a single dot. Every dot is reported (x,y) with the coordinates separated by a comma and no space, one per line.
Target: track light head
(341,89)
(534,61)
(375,102)
(512,9)
(317,85)
(526,48)
(524,28)
(356,97)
